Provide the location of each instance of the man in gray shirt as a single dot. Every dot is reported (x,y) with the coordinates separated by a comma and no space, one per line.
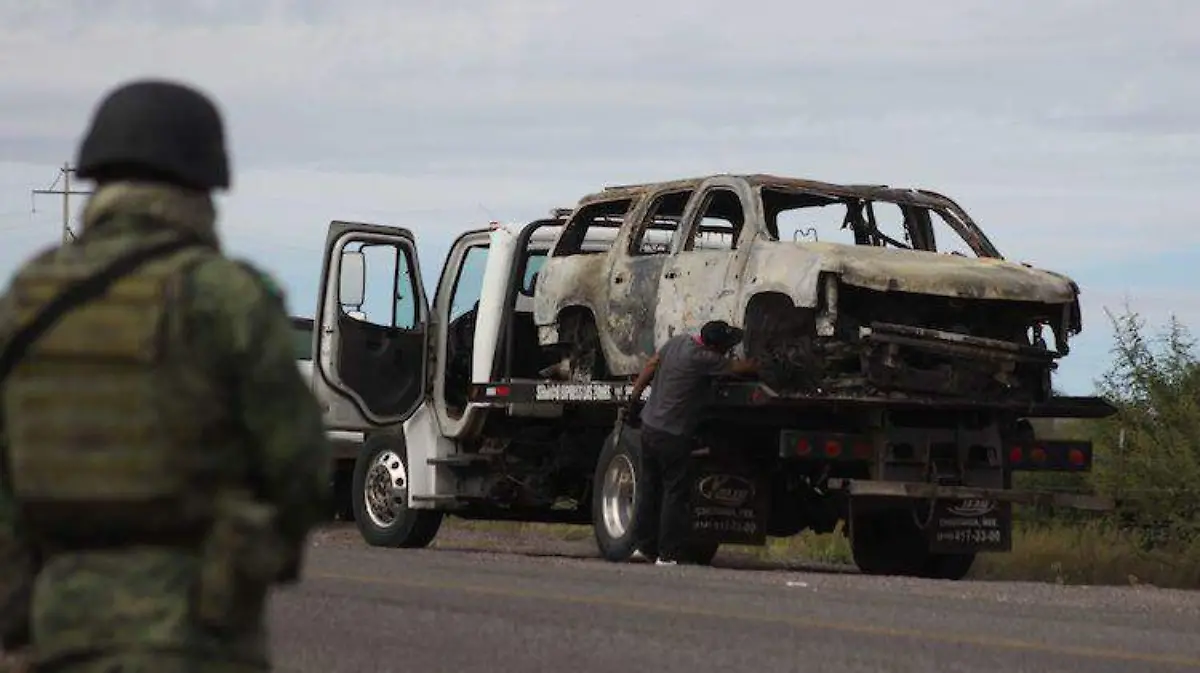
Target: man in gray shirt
(680,375)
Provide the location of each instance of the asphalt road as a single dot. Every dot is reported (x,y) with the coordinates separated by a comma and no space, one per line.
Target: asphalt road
(462,610)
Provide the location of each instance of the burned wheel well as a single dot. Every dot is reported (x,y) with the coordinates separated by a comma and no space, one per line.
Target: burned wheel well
(782,337)
(763,317)
(579,341)
(571,319)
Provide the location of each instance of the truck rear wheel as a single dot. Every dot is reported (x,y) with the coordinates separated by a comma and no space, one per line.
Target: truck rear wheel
(615,498)
(948,566)
(380,473)
(888,542)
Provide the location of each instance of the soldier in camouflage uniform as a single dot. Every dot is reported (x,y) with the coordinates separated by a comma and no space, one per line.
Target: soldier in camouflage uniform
(162,459)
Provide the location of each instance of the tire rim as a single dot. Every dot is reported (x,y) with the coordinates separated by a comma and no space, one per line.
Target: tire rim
(616,495)
(385,477)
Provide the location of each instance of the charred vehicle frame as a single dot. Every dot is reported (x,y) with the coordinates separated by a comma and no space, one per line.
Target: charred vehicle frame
(883,313)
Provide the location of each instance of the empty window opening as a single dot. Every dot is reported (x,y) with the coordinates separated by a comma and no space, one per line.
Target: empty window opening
(593,228)
(805,217)
(946,239)
(657,229)
(720,223)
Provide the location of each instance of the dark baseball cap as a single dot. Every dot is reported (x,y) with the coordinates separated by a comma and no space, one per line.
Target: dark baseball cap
(720,334)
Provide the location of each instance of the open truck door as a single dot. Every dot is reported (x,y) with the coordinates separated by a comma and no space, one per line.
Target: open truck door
(371,373)
(372,327)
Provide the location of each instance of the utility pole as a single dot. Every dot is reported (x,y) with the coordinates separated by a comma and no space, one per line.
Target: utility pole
(64,173)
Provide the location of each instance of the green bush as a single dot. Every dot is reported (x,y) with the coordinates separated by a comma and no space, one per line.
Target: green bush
(1148,454)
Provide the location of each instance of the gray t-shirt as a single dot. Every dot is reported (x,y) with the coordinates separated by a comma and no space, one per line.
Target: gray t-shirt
(680,384)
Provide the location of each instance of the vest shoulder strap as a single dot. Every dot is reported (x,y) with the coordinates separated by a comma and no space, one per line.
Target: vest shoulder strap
(81,292)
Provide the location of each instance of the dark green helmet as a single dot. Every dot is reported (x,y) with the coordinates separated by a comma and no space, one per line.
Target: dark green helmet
(157,128)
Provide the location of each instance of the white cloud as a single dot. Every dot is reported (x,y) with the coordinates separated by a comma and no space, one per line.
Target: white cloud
(1067,129)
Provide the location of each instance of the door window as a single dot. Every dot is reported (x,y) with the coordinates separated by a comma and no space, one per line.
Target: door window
(389,291)
(469,284)
(460,327)
(381,351)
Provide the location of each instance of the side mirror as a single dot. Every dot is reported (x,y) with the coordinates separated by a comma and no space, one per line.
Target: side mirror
(352,281)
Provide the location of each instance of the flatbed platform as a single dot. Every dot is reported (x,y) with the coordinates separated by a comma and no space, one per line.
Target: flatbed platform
(735,393)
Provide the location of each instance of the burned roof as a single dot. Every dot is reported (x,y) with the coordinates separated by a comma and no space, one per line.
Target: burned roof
(958,218)
(921,197)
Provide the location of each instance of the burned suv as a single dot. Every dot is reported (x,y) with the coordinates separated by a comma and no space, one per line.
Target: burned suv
(842,289)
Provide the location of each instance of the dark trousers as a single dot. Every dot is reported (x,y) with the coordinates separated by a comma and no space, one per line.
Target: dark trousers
(661,526)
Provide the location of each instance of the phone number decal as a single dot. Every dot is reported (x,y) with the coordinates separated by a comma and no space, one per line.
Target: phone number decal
(970,536)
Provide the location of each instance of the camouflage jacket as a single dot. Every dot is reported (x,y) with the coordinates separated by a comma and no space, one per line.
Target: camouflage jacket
(100,603)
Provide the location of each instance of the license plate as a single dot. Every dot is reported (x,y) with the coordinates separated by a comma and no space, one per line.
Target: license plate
(971,525)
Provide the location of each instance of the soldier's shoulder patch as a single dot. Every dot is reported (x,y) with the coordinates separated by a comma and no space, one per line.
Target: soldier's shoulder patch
(268,281)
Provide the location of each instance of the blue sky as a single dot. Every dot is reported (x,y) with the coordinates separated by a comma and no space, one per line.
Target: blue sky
(1068,129)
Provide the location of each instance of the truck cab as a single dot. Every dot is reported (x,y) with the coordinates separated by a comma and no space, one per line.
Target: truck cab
(398,363)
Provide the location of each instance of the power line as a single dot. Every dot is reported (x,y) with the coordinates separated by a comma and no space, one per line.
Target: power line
(64,174)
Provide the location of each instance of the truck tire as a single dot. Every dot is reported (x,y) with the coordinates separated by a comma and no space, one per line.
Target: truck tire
(889,543)
(615,497)
(381,521)
(948,566)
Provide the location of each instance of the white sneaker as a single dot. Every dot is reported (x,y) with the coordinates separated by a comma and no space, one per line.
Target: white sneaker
(664,562)
(640,556)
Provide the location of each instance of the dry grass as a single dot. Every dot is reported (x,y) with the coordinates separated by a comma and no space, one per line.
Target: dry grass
(1083,554)
(831,548)
(1090,554)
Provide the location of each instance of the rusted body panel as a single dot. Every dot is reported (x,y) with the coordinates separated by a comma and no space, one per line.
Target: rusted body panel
(827,294)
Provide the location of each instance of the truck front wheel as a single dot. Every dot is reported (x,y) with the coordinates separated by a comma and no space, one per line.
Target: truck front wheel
(379,492)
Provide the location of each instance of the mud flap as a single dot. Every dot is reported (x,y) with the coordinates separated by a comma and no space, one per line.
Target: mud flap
(969,526)
(730,503)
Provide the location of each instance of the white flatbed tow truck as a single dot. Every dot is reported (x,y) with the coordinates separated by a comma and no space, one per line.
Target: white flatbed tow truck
(458,420)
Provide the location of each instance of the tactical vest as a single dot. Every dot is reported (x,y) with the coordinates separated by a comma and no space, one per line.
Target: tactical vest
(113,432)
